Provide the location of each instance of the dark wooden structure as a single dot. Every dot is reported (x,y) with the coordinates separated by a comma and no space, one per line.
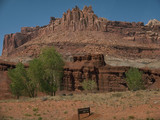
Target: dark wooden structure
(83,111)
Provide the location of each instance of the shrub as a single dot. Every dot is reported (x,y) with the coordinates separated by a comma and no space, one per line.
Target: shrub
(134,79)
(89,85)
(40,118)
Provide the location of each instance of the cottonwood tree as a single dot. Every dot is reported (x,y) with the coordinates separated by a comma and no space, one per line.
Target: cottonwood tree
(21,82)
(17,79)
(44,73)
(52,64)
(35,73)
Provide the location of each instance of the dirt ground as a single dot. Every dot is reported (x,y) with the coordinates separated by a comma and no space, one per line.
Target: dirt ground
(139,105)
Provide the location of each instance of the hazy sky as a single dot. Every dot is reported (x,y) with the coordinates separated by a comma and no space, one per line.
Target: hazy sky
(15,14)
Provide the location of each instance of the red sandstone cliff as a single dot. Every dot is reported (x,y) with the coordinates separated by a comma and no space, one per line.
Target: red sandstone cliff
(108,78)
(81,31)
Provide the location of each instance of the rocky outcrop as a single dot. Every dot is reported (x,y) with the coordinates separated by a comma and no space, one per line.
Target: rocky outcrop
(153,22)
(13,41)
(108,78)
(82,68)
(154,25)
(137,51)
(75,22)
(87,20)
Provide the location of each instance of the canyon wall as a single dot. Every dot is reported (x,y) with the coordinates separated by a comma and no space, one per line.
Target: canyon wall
(5,92)
(108,78)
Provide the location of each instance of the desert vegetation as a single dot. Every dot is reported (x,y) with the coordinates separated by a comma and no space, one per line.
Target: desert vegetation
(130,105)
(134,79)
(44,74)
(21,82)
(89,85)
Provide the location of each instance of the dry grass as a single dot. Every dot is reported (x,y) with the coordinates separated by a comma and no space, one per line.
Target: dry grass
(100,103)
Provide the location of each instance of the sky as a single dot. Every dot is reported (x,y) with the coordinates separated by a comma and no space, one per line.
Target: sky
(15,14)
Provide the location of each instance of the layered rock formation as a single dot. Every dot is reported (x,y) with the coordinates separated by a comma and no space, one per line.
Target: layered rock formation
(84,32)
(108,78)
(87,67)
(153,23)
(13,41)
(82,68)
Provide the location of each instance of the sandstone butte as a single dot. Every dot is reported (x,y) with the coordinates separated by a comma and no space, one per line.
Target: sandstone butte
(93,48)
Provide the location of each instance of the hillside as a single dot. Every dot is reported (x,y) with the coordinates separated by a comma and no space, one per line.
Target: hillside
(81,32)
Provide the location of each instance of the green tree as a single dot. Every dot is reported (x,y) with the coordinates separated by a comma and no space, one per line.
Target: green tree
(44,72)
(89,85)
(21,82)
(134,79)
(35,73)
(52,63)
(31,85)
(17,80)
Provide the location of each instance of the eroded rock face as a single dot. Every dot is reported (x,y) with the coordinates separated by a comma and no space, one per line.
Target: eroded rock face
(82,68)
(13,41)
(108,78)
(71,28)
(153,22)
(5,92)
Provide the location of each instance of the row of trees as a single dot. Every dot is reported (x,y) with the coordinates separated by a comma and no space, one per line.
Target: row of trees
(44,74)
